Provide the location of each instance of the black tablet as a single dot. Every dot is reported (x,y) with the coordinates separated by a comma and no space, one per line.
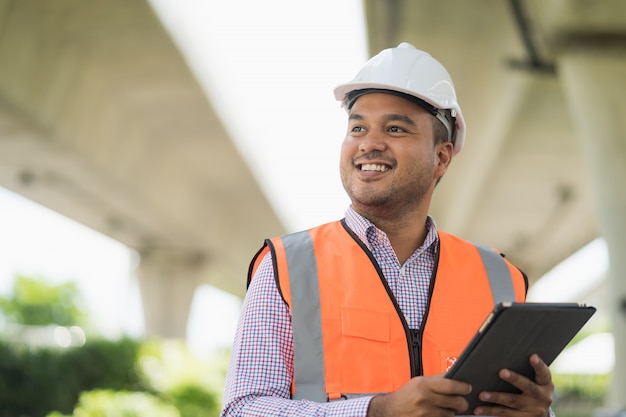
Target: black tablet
(507,339)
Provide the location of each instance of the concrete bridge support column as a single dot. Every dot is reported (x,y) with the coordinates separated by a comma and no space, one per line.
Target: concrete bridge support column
(168,280)
(594,80)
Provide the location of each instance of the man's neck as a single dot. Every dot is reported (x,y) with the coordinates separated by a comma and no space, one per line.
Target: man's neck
(405,240)
(405,233)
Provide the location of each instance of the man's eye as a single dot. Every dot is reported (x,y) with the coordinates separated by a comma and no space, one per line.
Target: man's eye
(357,129)
(396,129)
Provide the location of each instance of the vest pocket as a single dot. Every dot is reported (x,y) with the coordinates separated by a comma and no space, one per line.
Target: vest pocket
(365,323)
(364,359)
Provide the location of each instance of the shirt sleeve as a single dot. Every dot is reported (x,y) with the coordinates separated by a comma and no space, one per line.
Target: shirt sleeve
(260,370)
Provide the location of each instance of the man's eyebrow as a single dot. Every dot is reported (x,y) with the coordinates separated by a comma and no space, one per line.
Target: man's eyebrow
(355,116)
(390,117)
(400,118)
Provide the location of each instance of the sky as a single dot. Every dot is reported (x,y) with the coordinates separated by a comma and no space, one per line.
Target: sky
(276,63)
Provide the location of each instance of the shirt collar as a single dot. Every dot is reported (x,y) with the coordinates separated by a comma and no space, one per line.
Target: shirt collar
(363,228)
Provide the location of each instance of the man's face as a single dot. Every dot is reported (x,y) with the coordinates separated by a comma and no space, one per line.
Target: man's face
(388,159)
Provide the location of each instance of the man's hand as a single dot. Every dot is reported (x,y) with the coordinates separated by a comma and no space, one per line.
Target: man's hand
(432,396)
(534,401)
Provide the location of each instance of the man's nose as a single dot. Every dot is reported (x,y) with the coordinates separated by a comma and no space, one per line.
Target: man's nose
(372,142)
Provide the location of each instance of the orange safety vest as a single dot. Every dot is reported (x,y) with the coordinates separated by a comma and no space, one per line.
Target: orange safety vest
(350,336)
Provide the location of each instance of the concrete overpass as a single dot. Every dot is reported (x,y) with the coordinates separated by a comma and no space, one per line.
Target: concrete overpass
(102,120)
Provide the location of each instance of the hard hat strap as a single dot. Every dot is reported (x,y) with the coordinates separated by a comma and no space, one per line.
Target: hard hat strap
(446,118)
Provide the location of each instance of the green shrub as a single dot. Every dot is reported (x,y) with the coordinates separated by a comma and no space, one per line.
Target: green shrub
(107,403)
(35,381)
(193,400)
(579,395)
(192,384)
(103,363)
(35,302)
(102,378)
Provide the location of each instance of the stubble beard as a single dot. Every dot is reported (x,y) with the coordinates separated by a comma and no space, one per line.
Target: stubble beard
(391,202)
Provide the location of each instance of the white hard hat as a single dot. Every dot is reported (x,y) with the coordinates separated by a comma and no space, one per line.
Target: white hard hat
(410,71)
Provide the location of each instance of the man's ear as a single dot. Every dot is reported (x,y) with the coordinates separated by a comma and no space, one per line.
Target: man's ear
(444,154)
(444,157)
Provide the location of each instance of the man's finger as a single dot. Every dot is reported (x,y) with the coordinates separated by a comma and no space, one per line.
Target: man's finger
(542,372)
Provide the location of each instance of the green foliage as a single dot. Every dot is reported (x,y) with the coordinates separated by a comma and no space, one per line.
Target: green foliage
(107,403)
(106,364)
(193,400)
(35,381)
(593,387)
(35,302)
(102,378)
(579,395)
(193,385)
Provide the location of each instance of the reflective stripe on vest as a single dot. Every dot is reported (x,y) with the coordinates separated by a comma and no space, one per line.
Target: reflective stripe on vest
(306,318)
(498,274)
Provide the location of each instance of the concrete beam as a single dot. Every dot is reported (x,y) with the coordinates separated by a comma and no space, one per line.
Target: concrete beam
(168,280)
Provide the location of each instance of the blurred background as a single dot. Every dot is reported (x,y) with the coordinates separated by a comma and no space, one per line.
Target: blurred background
(148,147)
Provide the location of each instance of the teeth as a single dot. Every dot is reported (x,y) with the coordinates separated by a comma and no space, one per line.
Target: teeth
(374,167)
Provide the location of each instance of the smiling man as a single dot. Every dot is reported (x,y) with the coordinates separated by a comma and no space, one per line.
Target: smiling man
(363,316)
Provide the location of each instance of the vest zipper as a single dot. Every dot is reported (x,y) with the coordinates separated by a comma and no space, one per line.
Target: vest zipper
(416,344)
(419,334)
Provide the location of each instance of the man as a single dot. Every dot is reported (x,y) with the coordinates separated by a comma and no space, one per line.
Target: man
(362,317)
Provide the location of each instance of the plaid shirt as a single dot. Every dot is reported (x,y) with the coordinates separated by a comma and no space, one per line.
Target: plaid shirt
(260,371)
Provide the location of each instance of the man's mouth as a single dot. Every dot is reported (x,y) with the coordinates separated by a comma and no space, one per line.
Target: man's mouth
(373,167)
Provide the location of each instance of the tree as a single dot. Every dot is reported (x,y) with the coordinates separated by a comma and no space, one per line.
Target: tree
(36,302)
